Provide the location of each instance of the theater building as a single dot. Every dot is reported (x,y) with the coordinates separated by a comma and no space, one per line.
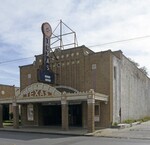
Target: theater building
(80,88)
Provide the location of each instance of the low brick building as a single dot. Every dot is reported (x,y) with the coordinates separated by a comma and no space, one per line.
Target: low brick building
(7,93)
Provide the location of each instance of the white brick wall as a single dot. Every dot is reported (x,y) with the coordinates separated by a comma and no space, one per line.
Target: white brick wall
(116,89)
(135,91)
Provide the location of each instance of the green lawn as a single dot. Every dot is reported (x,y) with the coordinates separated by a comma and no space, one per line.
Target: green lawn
(8,123)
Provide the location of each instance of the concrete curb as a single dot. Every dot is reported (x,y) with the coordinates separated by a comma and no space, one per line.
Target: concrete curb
(42,132)
(123,137)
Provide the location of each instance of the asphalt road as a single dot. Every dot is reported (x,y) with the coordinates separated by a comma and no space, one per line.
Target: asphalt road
(16,138)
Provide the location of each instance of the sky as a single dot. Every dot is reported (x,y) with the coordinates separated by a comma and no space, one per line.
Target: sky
(96,22)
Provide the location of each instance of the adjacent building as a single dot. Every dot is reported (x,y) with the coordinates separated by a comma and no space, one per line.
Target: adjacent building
(7,92)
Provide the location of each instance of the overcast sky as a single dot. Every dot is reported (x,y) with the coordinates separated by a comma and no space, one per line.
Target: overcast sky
(94,21)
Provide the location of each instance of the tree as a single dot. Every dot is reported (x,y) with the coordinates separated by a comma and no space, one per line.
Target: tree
(135,63)
(143,68)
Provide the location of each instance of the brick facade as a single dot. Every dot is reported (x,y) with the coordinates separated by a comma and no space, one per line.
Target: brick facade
(78,70)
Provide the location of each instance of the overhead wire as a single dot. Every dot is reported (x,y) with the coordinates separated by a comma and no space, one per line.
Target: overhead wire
(13,60)
(107,43)
(119,41)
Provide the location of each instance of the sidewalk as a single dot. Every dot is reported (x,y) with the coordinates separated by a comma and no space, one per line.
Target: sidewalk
(75,131)
(139,131)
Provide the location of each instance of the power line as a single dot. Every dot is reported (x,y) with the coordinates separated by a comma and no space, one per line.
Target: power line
(7,61)
(107,43)
(119,41)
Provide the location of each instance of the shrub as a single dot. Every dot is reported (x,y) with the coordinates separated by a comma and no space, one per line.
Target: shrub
(129,121)
(115,124)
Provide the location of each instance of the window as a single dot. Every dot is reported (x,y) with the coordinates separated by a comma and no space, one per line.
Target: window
(29,76)
(57,57)
(2,92)
(97,110)
(40,60)
(93,66)
(72,54)
(67,55)
(29,79)
(77,53)
(115,72)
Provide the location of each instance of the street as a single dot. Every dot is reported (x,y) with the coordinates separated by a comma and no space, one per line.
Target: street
(18,138)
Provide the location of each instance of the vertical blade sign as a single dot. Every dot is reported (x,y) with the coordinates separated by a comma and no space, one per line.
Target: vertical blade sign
(46,75)
(47,32)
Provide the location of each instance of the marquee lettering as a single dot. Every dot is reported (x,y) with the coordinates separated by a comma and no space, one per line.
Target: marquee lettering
(37,93)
